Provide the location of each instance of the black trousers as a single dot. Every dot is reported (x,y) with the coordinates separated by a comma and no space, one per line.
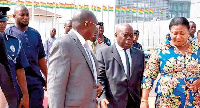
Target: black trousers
(131,103)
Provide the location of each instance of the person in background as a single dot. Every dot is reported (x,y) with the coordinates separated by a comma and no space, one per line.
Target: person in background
(73,69)
(68,26)
(34,51)
(192,31)
(48,43)
(121,68)
(17,62)
(95,44)
(168,39)
(178,65)
(135,38)
(101,38)
(198,37)
(92,43)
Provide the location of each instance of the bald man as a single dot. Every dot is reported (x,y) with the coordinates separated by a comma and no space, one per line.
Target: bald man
(73,71)
(68,26)
(121,69)
(49,42)
(34,51)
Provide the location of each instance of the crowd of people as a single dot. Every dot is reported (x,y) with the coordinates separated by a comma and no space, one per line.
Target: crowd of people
(83,69)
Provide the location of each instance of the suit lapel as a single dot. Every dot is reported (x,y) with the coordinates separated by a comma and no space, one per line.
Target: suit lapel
(134,60)
(78,43)
(96,64)
(116,55)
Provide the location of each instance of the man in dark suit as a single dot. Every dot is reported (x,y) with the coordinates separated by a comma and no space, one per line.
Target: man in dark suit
(72,74)
(121,68)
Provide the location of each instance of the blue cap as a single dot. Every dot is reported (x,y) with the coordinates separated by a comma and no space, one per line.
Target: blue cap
(3,13)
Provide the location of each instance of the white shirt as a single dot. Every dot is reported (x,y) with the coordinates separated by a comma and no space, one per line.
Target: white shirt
(123,56)
(88,52)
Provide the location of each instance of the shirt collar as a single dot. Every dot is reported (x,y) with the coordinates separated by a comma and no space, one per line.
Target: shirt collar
(119,48)
(80,37)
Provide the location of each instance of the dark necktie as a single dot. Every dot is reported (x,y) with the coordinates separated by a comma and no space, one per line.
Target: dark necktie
(127,64)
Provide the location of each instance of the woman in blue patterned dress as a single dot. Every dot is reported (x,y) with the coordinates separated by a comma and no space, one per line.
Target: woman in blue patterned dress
(179,66)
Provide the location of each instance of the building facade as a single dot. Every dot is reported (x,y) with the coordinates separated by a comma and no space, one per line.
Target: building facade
(148,10)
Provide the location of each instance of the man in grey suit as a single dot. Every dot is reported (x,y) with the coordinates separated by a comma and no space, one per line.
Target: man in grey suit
(73,71)
(121,68)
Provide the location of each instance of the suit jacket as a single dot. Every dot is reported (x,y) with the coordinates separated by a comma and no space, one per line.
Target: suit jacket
(70,75)
(6,82)
(114,80)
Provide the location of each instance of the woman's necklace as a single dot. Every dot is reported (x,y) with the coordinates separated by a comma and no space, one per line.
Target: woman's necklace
(179,51)
(185,43)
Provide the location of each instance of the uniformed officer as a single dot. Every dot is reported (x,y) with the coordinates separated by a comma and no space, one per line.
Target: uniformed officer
(6,83)
(17,61)
(101,38)
(34,51)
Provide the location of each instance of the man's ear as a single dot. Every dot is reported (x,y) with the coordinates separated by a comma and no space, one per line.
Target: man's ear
(115,34)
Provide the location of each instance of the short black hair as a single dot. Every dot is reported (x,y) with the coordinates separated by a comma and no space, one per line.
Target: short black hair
(198,32)
(100,23)
(179,21)
(136,32)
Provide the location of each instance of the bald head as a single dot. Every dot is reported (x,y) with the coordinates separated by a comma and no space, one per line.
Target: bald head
(81,16)
(68,22)
(53,32)
(84,22)
(124,35)
(123,26)
(21,16)
(19,8)
(67,26)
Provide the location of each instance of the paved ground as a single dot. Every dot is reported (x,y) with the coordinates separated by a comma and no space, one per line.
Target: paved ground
(151,100)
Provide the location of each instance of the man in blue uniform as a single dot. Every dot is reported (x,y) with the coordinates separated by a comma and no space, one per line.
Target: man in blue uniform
(6,81)
(135,38)
(17,62)
(34,51)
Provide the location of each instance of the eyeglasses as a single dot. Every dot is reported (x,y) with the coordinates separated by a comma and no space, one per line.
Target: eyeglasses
(95,24)
(126,35)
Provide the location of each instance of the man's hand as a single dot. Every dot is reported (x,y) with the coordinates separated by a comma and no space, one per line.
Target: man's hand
(24,102)
(99,89)
(104,103)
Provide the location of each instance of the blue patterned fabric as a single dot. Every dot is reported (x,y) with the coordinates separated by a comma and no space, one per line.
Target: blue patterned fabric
(177,71)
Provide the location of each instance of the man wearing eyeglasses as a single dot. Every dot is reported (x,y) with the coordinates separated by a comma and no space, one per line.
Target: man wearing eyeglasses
(121,68)
(73,69)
